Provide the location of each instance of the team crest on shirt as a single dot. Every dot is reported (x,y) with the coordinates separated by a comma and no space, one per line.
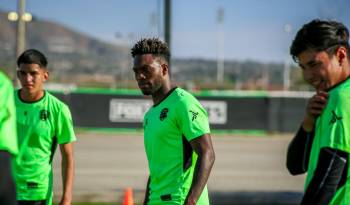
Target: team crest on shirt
(334,118)
(163,114)
(44,115)
(194,115)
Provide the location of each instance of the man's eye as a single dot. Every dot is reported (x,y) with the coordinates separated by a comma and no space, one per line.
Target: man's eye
(315,65)
(146,69)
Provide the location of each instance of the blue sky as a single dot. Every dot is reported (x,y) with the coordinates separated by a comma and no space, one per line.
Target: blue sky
(252,29)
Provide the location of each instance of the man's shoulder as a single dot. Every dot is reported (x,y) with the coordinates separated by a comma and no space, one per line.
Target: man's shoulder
(54,100)
(185,96)
(55,105)
(341,95)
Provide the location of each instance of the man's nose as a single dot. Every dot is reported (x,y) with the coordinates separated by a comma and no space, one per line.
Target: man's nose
(140,76)
(28,77)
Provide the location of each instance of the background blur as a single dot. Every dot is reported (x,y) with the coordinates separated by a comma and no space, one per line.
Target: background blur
(241,44)
(232,54)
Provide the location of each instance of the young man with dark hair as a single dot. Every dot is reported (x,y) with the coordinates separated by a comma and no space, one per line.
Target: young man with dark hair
(8,141)
(43,121)
(322,145)
(176,132)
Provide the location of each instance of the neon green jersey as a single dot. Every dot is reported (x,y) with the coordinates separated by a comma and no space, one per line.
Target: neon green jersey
(40,126)
(168,128)
(8,132)
(333,130)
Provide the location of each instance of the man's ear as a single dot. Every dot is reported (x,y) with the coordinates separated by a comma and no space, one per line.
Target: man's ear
(46,74)
(341,54)
(165,69)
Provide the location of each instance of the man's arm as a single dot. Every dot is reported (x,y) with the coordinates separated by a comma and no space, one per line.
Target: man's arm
(67,168)
(299,149)
(298,152)
(203,147)
(330,174)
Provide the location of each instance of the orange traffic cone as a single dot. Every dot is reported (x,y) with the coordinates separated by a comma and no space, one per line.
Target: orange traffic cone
(128,199)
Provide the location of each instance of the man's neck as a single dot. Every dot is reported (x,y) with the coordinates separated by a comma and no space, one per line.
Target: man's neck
(31,97)
(347,70)
(161,94)
(345,74)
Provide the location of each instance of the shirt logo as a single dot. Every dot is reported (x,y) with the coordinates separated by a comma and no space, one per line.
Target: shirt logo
(32,185)
(335,118)
(194,115)
(44,115)
(163,114)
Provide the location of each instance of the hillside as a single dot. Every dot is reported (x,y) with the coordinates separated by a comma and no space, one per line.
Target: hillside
(79,59)
(67,50)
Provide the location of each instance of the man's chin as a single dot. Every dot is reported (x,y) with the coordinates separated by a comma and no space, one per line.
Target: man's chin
(27,89)
(146,92)
(321,88)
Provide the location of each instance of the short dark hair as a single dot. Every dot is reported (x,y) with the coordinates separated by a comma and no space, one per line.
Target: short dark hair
(152,46)
(32,56)
(320,35)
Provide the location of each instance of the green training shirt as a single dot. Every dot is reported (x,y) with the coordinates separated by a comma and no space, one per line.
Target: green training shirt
(333,130)
(41,126)
(8,132)
(168,128)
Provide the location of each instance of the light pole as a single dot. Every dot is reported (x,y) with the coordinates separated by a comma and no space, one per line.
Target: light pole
(20,38)
(125,41)
(167,27)
(20,17)
(154,24)
(286,67)
(220,47)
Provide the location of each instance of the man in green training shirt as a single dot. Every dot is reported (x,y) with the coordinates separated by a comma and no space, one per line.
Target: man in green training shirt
(176,132)
(43,121)
(322,145)
(8,141)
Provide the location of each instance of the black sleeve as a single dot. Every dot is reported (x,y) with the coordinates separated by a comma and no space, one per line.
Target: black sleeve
(299,151)
(327,178)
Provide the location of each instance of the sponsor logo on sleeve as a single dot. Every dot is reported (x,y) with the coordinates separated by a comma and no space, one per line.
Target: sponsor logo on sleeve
(194,115)
(334,118)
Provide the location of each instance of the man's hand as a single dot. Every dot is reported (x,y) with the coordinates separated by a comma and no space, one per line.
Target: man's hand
(314,108)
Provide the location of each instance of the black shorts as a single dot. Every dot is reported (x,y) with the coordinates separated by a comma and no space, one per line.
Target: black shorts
(41,202)
(7,186)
